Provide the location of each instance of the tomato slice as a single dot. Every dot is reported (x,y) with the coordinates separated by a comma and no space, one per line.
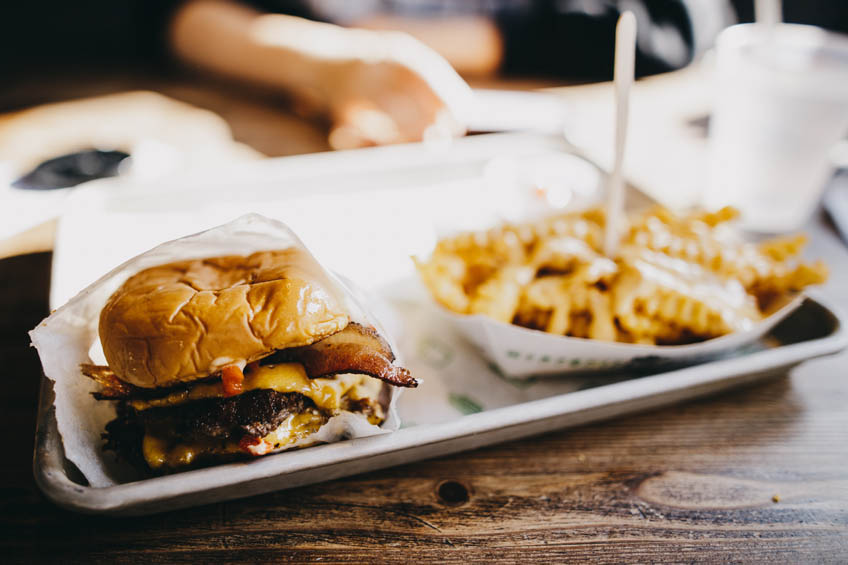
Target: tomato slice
(254,445)
(232,379)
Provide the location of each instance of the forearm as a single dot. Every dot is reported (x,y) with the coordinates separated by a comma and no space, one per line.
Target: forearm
(300,56)
(472,44)
(385,85)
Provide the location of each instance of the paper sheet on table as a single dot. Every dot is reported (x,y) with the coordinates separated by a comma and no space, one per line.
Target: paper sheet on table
(67,338)
(366,228)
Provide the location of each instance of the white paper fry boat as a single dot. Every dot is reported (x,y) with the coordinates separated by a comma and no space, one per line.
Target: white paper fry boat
(520,352)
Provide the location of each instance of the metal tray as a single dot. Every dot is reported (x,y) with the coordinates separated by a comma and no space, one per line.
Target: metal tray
(814,330)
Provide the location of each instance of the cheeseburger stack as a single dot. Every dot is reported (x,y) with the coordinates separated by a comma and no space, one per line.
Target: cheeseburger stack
(212,359)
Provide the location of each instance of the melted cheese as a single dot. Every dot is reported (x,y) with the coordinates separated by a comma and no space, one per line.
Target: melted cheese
(295,427)
(326,393)
(159,452)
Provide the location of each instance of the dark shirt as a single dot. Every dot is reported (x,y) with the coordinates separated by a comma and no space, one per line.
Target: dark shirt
(565,38)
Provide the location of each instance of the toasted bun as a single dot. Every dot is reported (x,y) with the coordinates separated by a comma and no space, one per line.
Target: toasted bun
(186,320)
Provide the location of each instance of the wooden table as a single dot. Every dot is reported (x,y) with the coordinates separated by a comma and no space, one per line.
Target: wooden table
(758,474)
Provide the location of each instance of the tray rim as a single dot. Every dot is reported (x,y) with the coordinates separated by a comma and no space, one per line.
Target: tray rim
(617,399)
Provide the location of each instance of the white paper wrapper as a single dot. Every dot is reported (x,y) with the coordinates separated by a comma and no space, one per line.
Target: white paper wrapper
(68,337)
(520,352)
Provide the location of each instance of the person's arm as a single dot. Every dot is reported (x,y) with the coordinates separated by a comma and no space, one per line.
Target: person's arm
(471,43)
(378,87)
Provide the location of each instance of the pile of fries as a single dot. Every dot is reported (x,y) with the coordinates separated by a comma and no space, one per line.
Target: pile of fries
(675,280)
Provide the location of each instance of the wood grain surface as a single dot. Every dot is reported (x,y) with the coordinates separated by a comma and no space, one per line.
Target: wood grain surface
(758,474)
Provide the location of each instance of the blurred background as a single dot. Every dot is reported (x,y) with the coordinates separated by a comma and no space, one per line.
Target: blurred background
(64,50)
(191,85)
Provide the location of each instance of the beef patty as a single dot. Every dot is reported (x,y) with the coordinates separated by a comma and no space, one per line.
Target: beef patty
(255,413)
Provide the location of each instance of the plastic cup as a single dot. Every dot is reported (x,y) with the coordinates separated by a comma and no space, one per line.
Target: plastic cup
(781,105)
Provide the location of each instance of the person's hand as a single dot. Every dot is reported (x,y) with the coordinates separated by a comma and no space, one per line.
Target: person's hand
(377,87)
(407,93)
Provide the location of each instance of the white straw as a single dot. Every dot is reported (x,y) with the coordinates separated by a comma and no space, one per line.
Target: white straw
(625,55)
(768,12)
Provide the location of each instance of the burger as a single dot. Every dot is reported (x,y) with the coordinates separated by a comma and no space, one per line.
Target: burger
(230,357)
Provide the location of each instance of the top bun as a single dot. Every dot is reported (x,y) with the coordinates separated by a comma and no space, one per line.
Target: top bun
(186,320)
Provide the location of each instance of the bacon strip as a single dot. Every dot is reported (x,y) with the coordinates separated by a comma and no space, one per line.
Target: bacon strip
(355,349)
(113,387)
(232,379)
